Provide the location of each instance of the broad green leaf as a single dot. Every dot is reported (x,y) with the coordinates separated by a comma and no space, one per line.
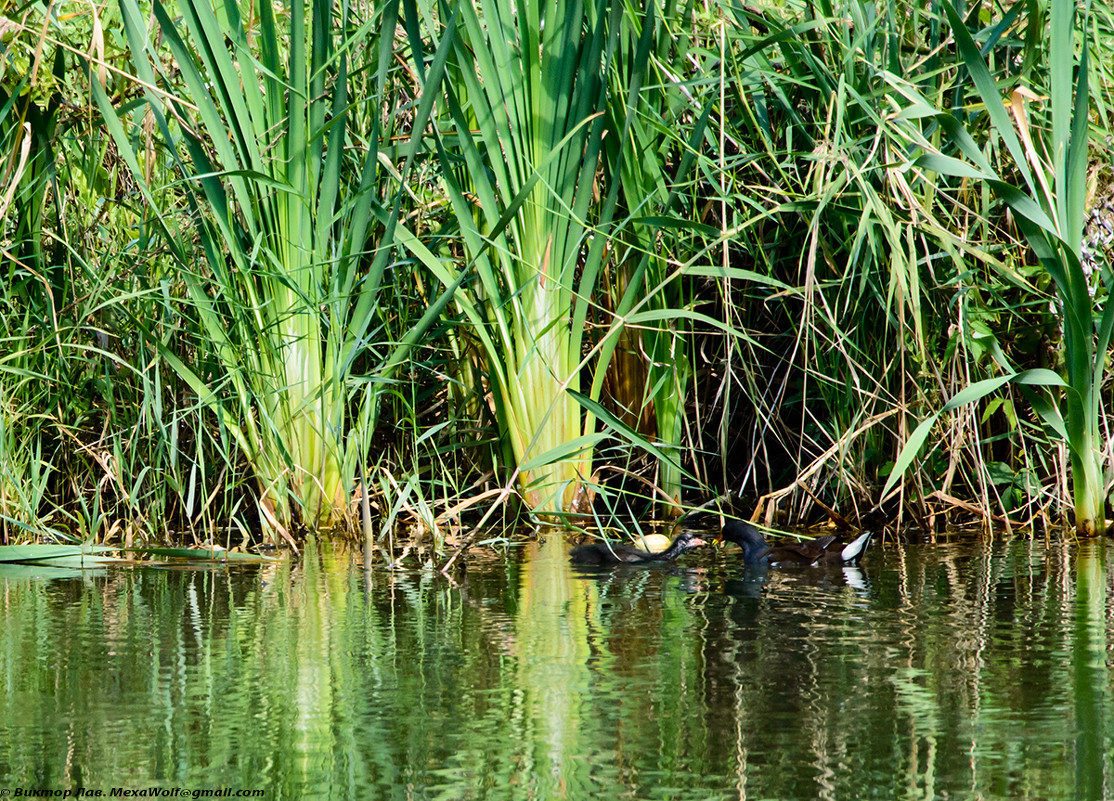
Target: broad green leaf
(565,450)
(909,452)
(734,273)
(946,165)
(215,554)
(1041,377)
(35,553)
(1048,412)
(37,571)
(977,391)
(623,430)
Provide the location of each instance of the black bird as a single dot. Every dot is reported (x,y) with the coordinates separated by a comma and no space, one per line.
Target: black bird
(749,539)
(824,549)
(600,553)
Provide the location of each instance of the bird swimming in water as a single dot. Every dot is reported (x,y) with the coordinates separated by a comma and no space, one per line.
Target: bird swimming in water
(601,553)
(826,549)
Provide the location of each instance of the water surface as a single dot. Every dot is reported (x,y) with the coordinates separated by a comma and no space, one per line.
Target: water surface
(935,671)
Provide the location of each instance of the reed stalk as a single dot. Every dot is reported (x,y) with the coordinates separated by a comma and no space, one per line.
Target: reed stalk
(520,143)
(285,203)
(1051,160)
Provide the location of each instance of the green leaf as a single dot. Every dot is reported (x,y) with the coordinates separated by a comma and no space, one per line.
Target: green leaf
(214,554)
(38,553)
(1041,377)
(13,571)
(1048,412)
(623,430)
(565,450)
(988,90)
(977,391)
(909,452)
(946,165)
(1000,473)
(734,273)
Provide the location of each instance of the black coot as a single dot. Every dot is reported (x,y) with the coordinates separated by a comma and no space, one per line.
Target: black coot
(823,549)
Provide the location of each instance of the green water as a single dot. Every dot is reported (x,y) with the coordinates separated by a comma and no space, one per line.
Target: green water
(945,671)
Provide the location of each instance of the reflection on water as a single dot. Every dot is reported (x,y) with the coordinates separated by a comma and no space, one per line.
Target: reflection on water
(952,671)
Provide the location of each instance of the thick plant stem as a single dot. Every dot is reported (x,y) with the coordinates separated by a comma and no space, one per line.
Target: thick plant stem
(1086,469)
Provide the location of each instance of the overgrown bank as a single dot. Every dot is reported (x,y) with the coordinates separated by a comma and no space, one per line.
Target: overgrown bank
(257,259)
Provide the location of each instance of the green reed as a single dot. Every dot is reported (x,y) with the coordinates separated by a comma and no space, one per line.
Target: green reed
(288,208)
(1049,155)
(519,140)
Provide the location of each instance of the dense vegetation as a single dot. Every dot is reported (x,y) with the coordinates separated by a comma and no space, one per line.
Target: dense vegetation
(453,264)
